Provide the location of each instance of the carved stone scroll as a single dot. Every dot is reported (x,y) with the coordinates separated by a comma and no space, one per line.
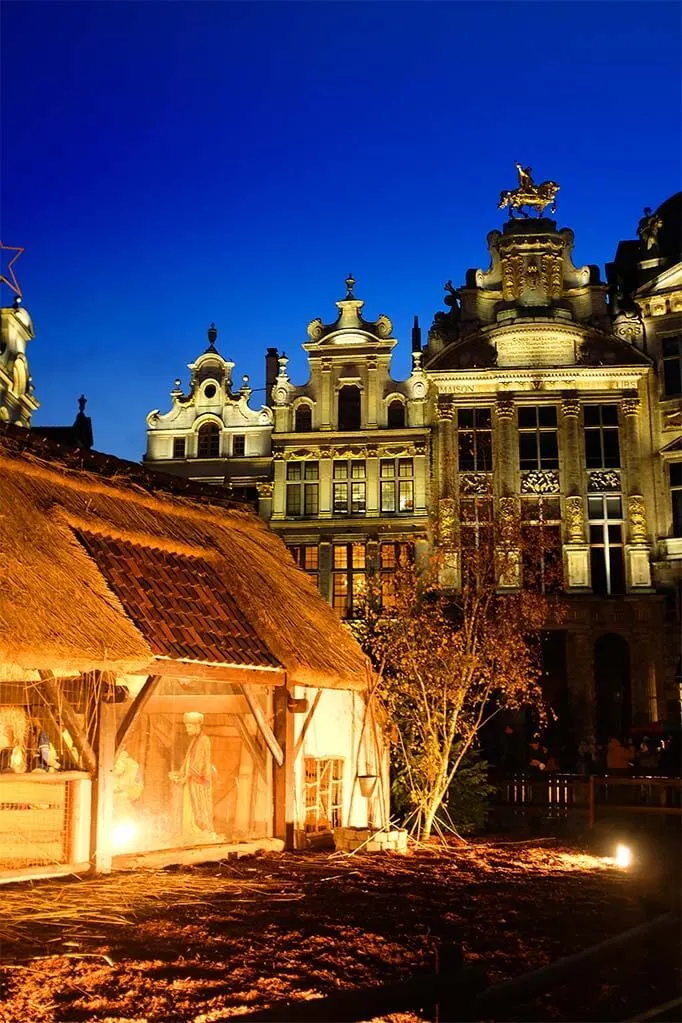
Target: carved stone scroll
(575,519)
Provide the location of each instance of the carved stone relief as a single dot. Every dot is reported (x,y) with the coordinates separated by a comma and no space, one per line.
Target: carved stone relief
(603,479)
(472,483)
(575,519)
(540,481)
(637,514)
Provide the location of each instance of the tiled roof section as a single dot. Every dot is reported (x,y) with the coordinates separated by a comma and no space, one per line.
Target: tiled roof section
(181,604)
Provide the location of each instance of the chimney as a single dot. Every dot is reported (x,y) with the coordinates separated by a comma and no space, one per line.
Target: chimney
(271,370)
(416,336)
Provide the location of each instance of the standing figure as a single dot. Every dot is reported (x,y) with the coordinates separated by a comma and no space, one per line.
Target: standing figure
(195,777)
(525,177)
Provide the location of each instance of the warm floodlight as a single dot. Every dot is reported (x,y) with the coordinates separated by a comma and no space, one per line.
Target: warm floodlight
(623,856)
(123,835)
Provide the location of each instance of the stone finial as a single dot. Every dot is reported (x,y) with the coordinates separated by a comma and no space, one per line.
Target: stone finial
(350,284)
(212,335)
(82,402)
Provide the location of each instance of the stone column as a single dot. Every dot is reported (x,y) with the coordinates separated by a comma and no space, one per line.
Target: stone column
(572,452)
(326,403)
(279,493)
(445,457)
(372,482)
(325,509)
(637,551)
(371,393)
(505,448)
(630,442)
(325,569)
(420,479)
(576,550)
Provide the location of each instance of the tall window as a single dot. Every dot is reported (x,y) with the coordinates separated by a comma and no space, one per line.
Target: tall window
(349,567)
(475,440)
(209,441)
(307,557)
(676,494)
(476,523)
(393,556)
(349,488)
(239,445)
(396,415)
(602,448)
(396,486)
(350,417)
(323,794)
(606,543)
(304,419)
(302,488)
(541,543)
(178,447)
(672,366)
(538,446)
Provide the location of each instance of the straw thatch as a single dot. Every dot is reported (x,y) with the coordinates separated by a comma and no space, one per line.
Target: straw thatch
(102,569)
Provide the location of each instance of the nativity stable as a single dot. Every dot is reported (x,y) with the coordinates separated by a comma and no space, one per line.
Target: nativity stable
(172,687)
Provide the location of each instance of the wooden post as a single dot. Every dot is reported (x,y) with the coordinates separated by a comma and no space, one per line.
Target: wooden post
(62,706)
(102,815)
(590,802)
(283,776)
(135,709)
(80,800)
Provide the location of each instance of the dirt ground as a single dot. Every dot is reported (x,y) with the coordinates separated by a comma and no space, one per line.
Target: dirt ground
(205,944)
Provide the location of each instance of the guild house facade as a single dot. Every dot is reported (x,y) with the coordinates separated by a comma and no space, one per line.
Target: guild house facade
(543,392)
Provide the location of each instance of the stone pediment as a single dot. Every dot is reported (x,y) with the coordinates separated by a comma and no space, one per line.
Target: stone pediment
(350,327)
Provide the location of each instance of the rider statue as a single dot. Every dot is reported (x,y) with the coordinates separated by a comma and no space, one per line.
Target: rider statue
(525,177)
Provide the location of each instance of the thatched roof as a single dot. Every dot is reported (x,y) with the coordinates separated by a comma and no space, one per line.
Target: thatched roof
(103,568)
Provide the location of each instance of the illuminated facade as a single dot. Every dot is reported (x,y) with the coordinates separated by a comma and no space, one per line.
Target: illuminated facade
(350,455)
(211,434)
(17,400)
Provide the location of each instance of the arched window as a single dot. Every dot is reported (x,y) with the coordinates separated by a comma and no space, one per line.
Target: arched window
(612,687)
(396,415)
(209,441)
(303,419)
(349,408)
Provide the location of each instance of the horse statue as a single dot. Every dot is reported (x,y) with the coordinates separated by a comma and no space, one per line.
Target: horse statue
(529,194)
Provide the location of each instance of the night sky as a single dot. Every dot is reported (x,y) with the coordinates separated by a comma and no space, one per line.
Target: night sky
(169,164)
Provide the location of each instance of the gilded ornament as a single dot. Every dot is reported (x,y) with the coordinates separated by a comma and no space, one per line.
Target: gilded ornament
(540,481)
(603,480)
(552,277)
(504,409)
(445,410)
(301,454)
(575,519)
(637,515)
(529,194)
(532,275)
(570,408)
(447,521)
(631,406)
(265,490)
(475,483)
(512,277)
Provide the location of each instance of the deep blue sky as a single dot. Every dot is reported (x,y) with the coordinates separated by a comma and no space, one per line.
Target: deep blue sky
(168,164)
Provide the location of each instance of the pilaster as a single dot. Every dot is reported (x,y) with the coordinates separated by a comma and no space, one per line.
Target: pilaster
(326,402)
(504,446)
(372,402)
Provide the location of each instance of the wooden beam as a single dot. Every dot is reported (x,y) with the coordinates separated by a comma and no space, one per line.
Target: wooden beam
(257,754)
(207,703)
(236,674)
(283,772)
(266,731)
(62,705)
(103,809)
(135,709)
(306,724)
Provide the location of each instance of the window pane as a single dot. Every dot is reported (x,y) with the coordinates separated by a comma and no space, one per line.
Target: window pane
(593,454)
(483,419)
(671,346)
(465,418)
(340,470)
(311,471)
(551,508)
(677,512)
(340,498)
(310,558)
(311,499)
(396,415)
(484,452)
(549,451)
(293,500)
(596,535)
(467,460)
(676,474)
(615,534)
(178,447)
(340,556)
(405,467)
(357,470)
(609,415)
(340,594)
(595,507)
(547,415)
(387,555)
(388,496)
(528,417)
(359,555)
(239,445)
(357,498)
(591,414)
(405,496)
(293,470)
(387,468)
(598,566)
(530,508)
(617,567)
(611,449)
(672,377)
(528,455)
(614,508)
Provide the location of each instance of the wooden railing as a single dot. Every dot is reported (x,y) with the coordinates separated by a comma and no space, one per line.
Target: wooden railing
(558,795)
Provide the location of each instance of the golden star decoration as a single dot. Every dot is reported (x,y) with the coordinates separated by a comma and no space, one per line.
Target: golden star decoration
(11,281)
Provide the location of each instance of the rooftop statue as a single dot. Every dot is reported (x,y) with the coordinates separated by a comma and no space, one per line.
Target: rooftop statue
(648,228)
(529,194)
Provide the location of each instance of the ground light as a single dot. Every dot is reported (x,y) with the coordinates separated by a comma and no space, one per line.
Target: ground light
(123,835)
(623,855)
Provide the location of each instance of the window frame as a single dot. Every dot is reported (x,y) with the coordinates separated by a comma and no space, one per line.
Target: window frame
(544,559)
(349,580)
(541,432)
(480,437)
(214,431)
(239,437)
(178,454)
(606,545)
(398,482)
(601,430)
(671,362)
(349,477)
(302,491)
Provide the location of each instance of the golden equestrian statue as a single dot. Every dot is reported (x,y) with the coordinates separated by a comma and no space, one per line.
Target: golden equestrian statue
(529,194)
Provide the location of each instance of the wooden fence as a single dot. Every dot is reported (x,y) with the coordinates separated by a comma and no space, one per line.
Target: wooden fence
(563,795)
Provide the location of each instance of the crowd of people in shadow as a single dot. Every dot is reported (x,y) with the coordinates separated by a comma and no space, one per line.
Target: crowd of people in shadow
(637,756)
